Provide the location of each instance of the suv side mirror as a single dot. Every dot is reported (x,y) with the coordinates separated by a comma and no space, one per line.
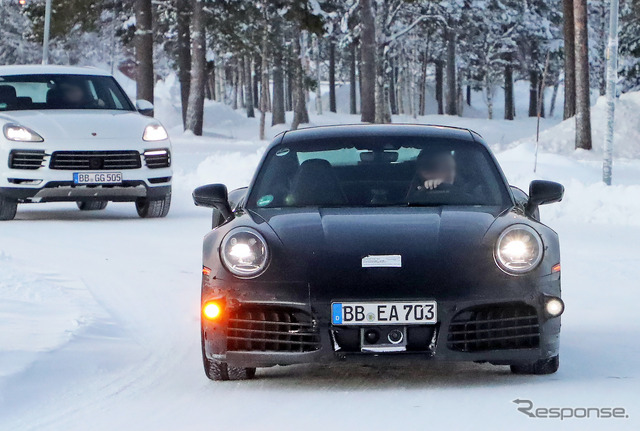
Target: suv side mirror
(543,192)
(213,196)
(144,107)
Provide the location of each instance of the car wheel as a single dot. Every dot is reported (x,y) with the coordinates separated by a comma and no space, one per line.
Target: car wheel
(218,371)
(222,371)
(92,205)
(8,209)
(153,208)
(539,367)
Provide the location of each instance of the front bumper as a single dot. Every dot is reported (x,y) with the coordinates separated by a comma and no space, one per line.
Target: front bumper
(66,191)
(431,342)
(42,183)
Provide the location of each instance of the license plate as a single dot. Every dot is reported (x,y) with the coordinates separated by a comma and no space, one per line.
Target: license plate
(97,177)
(384,313)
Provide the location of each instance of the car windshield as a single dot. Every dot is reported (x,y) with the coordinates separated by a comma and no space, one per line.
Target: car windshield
(58,91)
(370,171)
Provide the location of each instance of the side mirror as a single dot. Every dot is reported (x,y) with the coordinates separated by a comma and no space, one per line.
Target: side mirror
(213,196)
(543,192)
(144,107)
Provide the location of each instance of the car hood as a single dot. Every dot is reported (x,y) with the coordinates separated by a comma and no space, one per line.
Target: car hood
(81,124)
(438,247)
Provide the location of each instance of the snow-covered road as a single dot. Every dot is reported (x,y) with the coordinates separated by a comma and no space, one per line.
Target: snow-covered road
(101,323)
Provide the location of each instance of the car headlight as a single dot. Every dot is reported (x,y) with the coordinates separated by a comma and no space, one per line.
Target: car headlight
(154,132)
(519,249)
(244,252)
(15,132)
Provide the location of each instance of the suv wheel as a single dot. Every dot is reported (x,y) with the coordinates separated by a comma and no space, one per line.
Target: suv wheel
(8,208)
(92,205)
(153,208)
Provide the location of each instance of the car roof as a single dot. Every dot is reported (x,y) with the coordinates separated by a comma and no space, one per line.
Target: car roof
(40,69)
(353,130)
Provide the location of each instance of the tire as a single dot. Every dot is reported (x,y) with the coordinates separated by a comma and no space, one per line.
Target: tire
(221,371)
(148,208)
(92,205)
(8,208)
(540,367)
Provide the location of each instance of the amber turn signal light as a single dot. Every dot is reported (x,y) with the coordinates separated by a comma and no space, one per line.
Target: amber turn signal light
(212,310)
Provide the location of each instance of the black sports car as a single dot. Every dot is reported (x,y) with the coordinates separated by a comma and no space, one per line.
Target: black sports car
(374,242)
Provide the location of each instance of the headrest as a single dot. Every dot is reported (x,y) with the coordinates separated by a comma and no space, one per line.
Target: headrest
(7,94)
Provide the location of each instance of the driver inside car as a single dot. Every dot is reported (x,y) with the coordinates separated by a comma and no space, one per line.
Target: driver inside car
(435,170)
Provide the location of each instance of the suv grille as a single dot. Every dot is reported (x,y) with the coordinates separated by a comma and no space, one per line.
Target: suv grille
(95,160)
(159,160)
(494,327)
(272,329)
(26,159)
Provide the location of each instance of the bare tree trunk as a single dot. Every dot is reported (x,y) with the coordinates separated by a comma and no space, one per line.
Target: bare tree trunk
(383,113)
(352,80)
(248,89)
(556,84)
(144,51)
(508,92)
(184,53)
(264,85)
(451,94)
(195,112)
(533,93)
(393,73)
(332,76)
(256,73)
(278,116)
(423,84)
(316,50)
(583,103)
(569,59)
(236,82)
(288,91)
(367,63)
(439,87)
(300,114)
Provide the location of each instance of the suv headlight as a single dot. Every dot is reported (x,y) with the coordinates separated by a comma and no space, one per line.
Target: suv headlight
(154,132)
(518,249)
(18,133)
(244,252)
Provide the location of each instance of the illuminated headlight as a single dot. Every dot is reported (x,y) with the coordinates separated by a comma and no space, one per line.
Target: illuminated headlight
(244,252)
(554,307)
(154,132)
(15,132)
(519,249)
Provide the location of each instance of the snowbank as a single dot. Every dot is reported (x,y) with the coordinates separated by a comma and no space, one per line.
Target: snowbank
(560,139)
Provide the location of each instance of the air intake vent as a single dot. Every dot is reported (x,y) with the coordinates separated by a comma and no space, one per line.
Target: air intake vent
(157,159)
(272,329)
(95,160)
(26,159)
(494,327)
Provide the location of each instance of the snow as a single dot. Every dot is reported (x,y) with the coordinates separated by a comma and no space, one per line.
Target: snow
(100,311)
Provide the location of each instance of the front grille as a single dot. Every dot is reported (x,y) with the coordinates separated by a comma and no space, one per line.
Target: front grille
(26,159)
(157,159)
(95,160)
(494,327)
(272,329)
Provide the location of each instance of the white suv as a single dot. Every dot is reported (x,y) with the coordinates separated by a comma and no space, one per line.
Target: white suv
(72,134)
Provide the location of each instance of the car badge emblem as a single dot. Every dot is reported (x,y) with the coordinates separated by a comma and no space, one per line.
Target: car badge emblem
(94,134)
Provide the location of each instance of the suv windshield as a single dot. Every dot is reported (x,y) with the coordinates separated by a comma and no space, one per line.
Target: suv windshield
(57,91)
(370,171)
